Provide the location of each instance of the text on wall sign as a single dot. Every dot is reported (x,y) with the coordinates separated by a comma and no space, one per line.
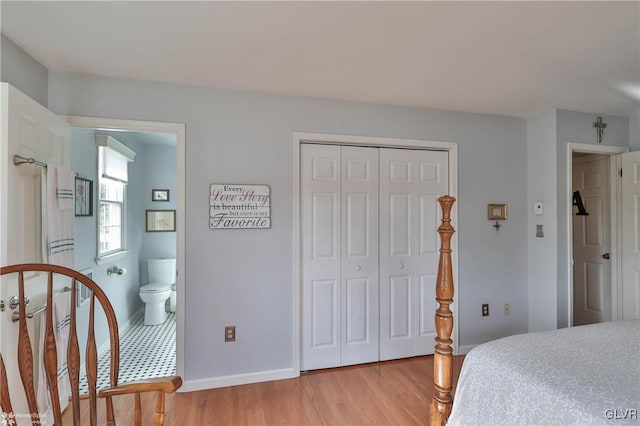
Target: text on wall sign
(239,206)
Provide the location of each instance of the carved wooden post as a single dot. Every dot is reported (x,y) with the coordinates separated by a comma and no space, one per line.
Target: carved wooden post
(443,356)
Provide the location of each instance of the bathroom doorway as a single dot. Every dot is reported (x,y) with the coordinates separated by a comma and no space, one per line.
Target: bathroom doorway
(156,184)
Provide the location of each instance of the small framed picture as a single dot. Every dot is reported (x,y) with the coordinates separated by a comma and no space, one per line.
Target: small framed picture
(159,195)
(161,220)
(497,212)
(84,197)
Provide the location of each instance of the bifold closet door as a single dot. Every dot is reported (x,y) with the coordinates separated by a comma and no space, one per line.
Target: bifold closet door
(410,183)
(339,193)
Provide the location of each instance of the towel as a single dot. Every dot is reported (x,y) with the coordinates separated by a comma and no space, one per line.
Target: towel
(61,324)
(58,216)
(65,183)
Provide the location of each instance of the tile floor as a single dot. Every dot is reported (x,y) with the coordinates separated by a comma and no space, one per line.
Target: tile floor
(145,352)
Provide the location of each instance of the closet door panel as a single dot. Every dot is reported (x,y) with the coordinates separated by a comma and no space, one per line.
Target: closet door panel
(397,268)
(321,251)
(359,263)
(410,183)
(432,181)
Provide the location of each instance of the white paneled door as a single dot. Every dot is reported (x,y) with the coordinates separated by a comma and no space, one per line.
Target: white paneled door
(592,241)
(359,259)
(31,131)
(369,252)
(410,183)
(631,235)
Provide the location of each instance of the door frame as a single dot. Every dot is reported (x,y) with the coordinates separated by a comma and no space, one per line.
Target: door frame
(614,213)
(179,130)
(368,141)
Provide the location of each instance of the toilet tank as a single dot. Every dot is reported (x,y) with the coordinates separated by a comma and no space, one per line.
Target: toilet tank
(161,270)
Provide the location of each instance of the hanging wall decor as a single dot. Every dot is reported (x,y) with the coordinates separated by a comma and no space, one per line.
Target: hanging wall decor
(577,202)
(238,206)
(84,197)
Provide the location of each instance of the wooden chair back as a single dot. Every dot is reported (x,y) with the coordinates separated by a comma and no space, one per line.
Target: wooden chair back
(26,354)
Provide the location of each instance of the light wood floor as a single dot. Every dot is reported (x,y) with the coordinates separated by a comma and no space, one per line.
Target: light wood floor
(386,393)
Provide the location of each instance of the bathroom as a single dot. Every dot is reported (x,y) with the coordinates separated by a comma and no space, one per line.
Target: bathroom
(147,330)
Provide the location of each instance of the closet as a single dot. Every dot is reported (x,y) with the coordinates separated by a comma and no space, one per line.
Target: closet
(369,222)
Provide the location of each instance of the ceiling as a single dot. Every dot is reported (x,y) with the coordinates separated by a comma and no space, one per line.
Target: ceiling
(509,58)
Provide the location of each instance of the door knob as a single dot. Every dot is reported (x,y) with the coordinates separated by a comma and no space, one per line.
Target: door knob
(606,256)
(401,266)
(358,267)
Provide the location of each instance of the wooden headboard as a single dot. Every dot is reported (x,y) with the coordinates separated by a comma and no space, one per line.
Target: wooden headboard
(443,356)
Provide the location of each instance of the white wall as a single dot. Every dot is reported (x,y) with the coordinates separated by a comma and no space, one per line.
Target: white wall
(23,72)
(634,131)
(577,127)
(244,277)
(542,252)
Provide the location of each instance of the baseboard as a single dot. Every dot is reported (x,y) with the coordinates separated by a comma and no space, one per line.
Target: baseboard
(463,350)
(238,379)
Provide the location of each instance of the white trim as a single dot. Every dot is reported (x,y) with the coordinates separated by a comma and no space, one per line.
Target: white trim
(114,144)
(321,138)
(237,379)
(615,230)
(179,129)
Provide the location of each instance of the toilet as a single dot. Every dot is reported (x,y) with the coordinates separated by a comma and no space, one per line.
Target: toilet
(162,277)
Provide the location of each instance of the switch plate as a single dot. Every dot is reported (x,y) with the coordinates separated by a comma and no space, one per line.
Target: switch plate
(230,333)
(485,309)
(539,231)
(507,309)
(538,208)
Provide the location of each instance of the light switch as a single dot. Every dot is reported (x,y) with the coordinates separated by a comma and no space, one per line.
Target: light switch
(539,231)
(537,208)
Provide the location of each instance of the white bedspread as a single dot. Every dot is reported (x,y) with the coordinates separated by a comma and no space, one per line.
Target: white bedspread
(588,375)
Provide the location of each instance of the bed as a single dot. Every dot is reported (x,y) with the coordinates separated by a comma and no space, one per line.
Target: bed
(587,375)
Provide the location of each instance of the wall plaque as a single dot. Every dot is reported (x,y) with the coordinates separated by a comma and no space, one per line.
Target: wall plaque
(239,206)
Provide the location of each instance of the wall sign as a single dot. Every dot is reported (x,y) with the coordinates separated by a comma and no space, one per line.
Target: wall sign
(239,206)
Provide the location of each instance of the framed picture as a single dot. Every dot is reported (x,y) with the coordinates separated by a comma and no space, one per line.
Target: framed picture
(497,212)
(84,197)
(159,195)
(161,220)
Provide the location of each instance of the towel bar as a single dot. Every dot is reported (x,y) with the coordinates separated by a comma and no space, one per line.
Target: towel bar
(41,309)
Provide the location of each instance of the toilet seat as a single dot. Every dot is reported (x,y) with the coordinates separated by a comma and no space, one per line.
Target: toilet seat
(155,287)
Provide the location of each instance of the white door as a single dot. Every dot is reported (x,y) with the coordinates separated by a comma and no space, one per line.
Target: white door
(321,201)
(29,130)
(630,235)
(359,259)
(340,255)
(592,241)
(410,183)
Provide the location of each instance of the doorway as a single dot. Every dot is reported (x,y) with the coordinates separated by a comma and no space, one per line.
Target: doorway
(450,153)
(593,232)
(177,130)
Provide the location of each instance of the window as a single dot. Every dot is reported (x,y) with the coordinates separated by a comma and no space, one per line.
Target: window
(113,161)
(111,216)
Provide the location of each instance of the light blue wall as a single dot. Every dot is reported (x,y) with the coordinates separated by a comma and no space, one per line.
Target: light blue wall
(160,171)
(577,127)
(245,278)
(541,186)
(122,290)
(23,72)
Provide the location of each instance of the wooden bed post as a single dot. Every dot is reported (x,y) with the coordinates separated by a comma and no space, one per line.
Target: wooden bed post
(443,356)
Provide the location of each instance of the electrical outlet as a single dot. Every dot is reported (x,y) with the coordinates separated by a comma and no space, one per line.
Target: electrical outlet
(507,309)
(230,333)
(485,309)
